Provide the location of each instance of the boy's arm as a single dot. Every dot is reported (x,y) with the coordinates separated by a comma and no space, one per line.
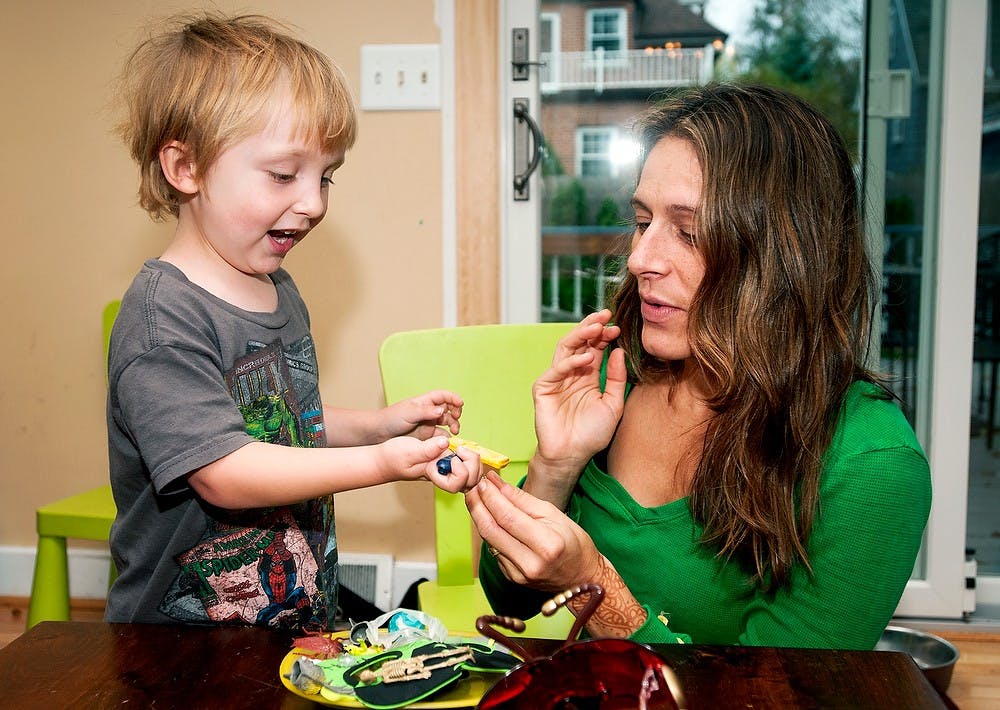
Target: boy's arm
(350,427)
(417,416)
(259,475)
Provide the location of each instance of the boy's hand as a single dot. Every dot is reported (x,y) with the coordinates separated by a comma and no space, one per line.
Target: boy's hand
(420,416)
(405,458)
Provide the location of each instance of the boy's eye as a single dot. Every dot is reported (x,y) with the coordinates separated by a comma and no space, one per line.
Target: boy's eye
(326,180)
(281,177)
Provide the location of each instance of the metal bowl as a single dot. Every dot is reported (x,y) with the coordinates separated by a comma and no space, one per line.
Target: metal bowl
(934,656)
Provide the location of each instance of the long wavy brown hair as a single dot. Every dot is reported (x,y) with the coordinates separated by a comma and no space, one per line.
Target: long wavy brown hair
(780,325)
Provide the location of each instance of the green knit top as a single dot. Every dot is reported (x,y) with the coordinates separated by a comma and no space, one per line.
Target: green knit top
(875,496)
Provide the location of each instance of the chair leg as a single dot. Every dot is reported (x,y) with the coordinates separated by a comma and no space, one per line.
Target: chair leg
(50,585)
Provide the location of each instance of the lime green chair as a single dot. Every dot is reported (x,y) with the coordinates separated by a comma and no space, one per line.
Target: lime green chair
(492,367)
(84,516)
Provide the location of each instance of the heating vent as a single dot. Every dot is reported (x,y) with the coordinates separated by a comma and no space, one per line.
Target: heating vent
(367,575)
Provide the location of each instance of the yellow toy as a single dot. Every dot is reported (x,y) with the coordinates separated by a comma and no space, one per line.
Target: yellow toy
(487,456)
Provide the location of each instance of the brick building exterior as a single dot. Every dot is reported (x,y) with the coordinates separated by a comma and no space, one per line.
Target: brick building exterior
(603,59)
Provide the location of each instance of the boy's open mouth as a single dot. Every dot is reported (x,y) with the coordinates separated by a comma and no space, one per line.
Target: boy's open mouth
(282,240)
(283,235)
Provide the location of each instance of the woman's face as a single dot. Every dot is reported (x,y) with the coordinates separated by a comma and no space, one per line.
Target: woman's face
(664,257)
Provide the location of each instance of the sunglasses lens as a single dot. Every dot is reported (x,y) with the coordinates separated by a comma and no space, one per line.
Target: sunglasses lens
(603,673)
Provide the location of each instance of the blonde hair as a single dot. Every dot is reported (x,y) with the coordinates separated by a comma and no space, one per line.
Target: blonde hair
(209,82)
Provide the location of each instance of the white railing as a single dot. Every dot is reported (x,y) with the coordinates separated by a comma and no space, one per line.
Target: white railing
(600,70)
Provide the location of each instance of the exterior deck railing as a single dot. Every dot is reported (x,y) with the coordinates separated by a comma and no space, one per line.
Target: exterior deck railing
(635,69)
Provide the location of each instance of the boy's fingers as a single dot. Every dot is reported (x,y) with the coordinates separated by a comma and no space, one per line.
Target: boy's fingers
(434,446)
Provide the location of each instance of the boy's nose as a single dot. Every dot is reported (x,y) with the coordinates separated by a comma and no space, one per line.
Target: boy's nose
(311,203)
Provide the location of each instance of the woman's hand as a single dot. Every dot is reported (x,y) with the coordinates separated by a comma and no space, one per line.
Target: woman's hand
(421,416)
(574,419)
(538,546)
(405,458)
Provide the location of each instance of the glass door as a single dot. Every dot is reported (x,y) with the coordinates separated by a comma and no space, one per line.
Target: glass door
(983,533)
(899,78)
(918,126)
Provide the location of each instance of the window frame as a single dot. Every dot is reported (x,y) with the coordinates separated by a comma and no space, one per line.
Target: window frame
(622,34)
(580,156)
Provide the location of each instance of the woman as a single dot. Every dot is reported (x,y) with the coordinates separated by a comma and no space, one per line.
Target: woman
(722,459)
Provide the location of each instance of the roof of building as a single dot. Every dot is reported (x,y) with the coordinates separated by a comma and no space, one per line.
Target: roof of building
(659,21)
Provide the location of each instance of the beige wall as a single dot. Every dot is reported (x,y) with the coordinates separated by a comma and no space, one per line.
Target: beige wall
(74,238)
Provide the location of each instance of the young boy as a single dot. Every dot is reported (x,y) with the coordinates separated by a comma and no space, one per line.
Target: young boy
(217,435)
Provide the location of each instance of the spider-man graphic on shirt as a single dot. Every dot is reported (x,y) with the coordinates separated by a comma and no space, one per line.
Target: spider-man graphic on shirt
(278,574)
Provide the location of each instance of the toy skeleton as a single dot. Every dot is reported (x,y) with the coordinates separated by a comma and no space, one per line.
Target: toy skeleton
(403,669)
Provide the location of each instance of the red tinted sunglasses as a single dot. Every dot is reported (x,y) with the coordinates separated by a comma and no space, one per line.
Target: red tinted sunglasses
(605,673)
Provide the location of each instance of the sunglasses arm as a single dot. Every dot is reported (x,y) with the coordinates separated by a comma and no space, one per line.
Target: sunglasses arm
(596,593)
(485,624)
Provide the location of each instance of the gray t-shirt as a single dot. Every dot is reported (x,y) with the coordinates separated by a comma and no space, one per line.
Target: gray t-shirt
(191,379)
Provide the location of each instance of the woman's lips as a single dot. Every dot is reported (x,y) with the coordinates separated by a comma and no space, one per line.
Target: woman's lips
(656,312)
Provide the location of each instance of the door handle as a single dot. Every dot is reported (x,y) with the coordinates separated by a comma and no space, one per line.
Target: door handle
(525,155)
(519,51)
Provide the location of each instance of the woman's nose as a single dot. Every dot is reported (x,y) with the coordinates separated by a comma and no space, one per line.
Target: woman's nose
(647,254)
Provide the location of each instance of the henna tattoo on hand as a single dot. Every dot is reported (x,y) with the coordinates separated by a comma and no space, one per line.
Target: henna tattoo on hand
(620,615)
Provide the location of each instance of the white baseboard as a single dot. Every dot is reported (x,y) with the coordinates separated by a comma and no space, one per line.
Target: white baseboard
(88,573)
(405,574)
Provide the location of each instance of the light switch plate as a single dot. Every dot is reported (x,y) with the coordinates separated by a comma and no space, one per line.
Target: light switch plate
(400,77)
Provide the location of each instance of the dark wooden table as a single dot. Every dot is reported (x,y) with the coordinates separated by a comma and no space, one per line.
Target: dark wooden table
(96,665)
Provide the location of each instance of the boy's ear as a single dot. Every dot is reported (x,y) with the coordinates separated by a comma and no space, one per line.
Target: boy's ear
(178,167)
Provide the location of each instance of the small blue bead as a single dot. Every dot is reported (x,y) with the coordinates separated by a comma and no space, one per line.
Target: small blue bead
(444,465)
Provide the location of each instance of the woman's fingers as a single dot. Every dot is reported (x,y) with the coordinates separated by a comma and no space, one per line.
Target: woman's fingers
(616,376)
(523,501)
(589,332)
(528,533)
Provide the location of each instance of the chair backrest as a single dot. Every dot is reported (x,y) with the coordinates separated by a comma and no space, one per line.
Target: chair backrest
(108,320)
(492,367)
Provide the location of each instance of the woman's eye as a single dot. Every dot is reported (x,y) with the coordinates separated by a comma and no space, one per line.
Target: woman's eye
(687,236)
(641,225)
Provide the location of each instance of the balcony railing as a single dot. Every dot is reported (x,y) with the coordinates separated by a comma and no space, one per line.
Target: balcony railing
(633,69)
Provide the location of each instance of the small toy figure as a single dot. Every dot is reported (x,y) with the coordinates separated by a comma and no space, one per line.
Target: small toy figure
(414,668)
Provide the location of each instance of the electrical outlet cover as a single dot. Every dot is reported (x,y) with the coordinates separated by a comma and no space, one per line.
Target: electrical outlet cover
(400,77)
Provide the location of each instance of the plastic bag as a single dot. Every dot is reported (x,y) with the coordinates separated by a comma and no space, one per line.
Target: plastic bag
(398,627)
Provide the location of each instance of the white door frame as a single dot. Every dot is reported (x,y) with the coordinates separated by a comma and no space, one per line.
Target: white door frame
(955,100)
(520,221)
